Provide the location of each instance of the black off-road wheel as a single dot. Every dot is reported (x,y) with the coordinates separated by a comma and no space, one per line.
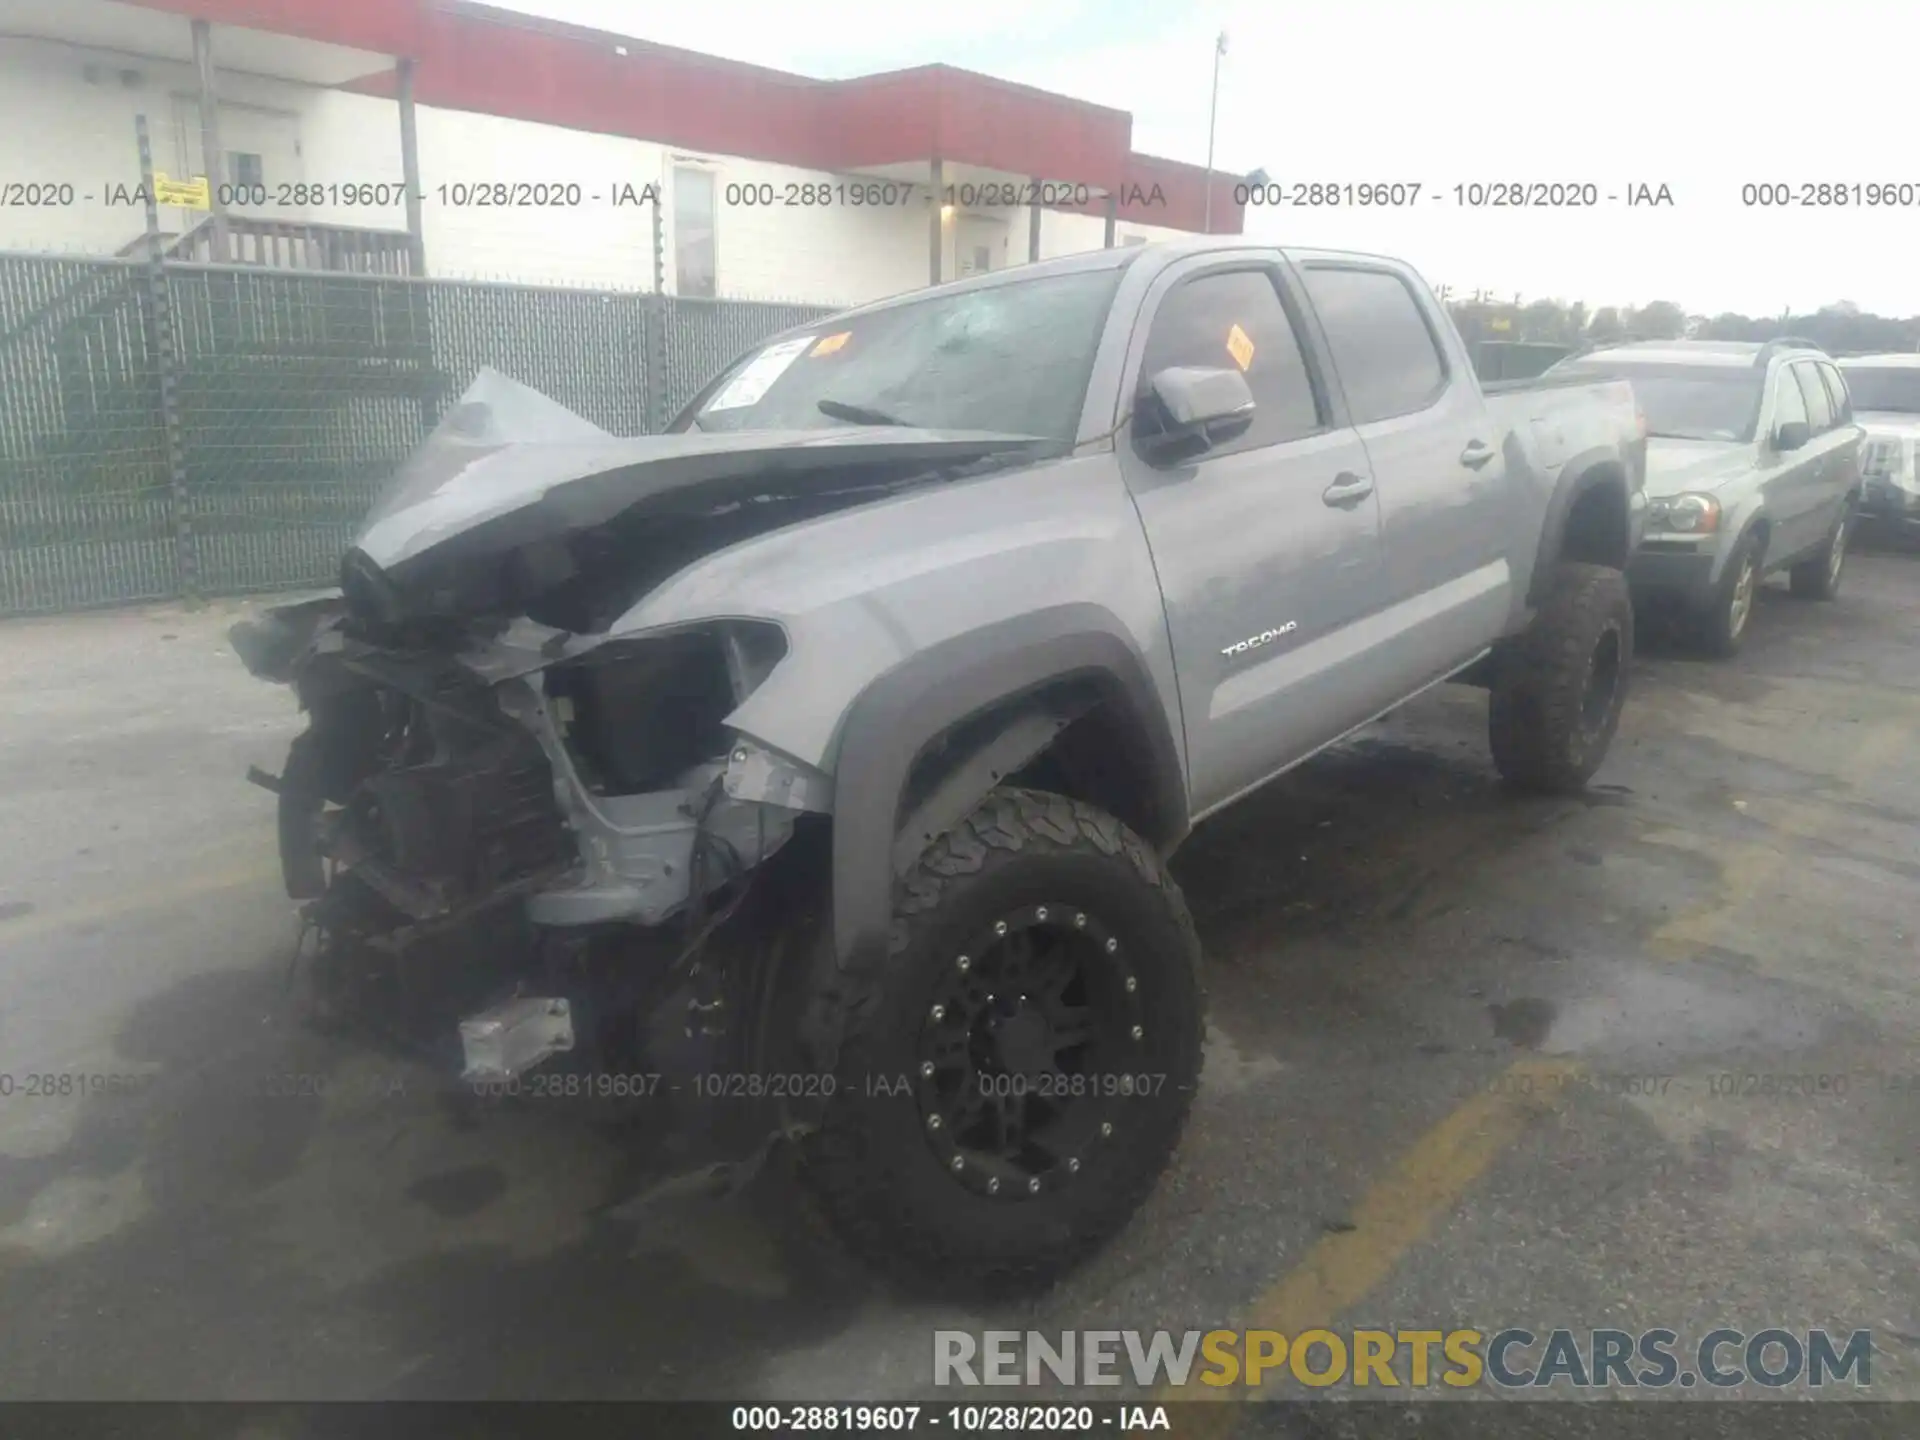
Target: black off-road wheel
(1819,577)
(1720,626)
(1013,1078)
(1558,692)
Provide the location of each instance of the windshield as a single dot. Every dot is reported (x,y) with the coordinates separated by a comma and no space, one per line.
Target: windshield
(1687,402)
(1013,358)
(1894,388)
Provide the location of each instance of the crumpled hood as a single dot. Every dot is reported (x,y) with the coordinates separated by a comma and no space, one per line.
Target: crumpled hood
(1675,467)
(508,466)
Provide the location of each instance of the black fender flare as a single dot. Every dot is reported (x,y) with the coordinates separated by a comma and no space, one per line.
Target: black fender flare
(892,721)
(1588,471)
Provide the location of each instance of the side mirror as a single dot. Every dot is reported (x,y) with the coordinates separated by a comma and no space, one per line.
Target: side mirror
(1791,435)
(1197,408)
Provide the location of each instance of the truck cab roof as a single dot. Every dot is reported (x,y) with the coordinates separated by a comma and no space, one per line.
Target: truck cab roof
(1156,255)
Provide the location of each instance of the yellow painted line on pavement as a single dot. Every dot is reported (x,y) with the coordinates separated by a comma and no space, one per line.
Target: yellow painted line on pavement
(192,886)
(1403,1206)
(1398,1211)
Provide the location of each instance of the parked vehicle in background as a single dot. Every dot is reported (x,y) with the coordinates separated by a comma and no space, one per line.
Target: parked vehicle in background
(830,745)
(1886,403)
(1515,359)
(1753,467)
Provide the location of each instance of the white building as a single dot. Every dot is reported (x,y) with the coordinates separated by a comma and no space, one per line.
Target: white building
(535,151)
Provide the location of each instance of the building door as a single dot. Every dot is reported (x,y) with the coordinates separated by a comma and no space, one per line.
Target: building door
(979,245)
(262,154)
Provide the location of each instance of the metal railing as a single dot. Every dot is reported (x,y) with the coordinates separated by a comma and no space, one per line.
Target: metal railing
(286,397)
(289,245)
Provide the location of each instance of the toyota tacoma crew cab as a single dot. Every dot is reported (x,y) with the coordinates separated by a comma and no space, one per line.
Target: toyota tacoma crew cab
(824,754)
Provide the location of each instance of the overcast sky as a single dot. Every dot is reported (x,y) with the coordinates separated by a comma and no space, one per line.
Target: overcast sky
(1701,95)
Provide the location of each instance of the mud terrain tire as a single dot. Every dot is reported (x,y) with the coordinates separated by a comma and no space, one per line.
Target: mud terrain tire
(1558,693)
(930,1185)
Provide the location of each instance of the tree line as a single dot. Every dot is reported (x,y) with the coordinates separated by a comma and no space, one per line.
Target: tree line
(1841,328)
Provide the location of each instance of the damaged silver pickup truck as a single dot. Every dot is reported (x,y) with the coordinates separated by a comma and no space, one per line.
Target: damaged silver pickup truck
(825,752)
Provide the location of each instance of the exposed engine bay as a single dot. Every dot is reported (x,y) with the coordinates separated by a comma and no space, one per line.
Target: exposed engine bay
(511,821)
(566,835)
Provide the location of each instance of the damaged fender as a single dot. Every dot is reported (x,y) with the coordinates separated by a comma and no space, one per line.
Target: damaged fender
(843,602)
(891,724)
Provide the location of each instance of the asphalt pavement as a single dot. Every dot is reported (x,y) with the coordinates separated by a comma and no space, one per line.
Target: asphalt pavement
(1475,1060)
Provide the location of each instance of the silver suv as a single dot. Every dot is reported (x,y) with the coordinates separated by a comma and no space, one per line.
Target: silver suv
(1753,467)
(1886,402)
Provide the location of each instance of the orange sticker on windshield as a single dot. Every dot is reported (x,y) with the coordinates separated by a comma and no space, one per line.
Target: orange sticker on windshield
(830,343)
(1240,347)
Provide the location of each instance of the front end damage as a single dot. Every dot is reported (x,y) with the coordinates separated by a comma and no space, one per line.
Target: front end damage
(497,873)
(526,839)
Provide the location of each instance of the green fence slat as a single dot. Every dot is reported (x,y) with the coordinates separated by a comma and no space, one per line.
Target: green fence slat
(298,393)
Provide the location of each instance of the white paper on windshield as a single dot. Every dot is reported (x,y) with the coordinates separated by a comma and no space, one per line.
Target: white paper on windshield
(758,376)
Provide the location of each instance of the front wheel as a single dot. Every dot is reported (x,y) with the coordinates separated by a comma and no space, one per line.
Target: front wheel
(1014,1077)
(1558,694)
(1720,625)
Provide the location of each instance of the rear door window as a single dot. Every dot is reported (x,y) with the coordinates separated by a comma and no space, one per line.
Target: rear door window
(1384,351)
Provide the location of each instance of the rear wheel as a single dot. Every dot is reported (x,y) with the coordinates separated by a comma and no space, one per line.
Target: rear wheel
(1819,578)
(1557,695)
(1013,1079)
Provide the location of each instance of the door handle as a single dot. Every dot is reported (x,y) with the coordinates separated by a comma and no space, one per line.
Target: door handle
(1477,453)
(1348,489)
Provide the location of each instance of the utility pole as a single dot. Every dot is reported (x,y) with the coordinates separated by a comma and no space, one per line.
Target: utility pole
(1213,112)
(214,158)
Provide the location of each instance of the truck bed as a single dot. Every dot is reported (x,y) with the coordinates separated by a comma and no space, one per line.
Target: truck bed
(1568,416)
(1605,409)
(1548,381)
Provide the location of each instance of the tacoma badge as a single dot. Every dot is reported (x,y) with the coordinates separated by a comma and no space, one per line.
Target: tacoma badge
(1254,642)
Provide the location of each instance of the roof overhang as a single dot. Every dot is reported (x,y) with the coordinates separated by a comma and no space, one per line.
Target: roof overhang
(499,62)
(320,53)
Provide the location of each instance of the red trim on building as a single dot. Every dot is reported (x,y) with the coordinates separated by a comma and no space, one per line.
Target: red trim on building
(498,62)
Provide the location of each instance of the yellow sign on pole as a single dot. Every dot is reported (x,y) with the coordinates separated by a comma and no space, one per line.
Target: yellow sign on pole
(194,194)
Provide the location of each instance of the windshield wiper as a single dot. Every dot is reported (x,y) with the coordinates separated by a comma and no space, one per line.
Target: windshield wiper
(857,414)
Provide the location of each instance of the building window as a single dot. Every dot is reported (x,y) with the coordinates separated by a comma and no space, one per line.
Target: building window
(245,168)
(693,248)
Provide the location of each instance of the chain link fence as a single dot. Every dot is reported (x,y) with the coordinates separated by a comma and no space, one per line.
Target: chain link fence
(190,429)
